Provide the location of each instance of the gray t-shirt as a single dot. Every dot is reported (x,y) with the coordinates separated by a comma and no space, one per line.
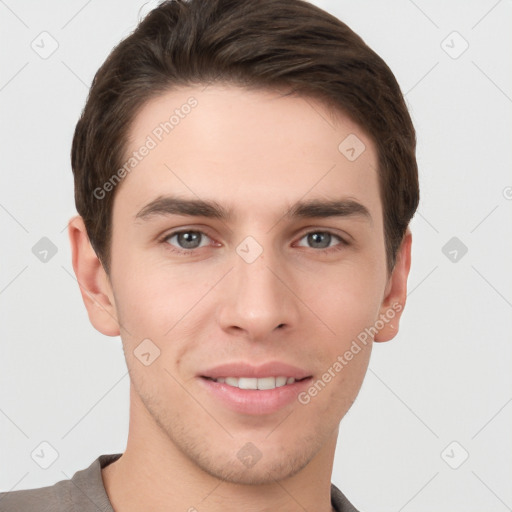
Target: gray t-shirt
(85,492)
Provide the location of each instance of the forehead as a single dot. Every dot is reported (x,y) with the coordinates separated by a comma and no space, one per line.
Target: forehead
(247,150)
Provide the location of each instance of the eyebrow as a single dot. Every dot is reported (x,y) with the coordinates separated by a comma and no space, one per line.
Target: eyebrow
(315,208)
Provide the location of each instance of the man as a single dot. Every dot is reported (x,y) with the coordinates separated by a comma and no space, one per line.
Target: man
(245,175)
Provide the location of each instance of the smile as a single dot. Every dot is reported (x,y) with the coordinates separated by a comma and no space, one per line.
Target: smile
(262,383)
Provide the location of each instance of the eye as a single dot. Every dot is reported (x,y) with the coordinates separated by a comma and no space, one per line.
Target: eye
(323,240)
(185,241)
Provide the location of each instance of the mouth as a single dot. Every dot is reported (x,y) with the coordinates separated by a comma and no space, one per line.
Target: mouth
(262,383)
(254,390)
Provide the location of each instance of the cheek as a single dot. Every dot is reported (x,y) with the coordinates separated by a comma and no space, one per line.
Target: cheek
(155,299)
(346,299)
(333,391)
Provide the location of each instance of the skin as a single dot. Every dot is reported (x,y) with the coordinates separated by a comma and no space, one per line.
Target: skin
(256,152)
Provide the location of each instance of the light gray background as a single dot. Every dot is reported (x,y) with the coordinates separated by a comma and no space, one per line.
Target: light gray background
(446,377)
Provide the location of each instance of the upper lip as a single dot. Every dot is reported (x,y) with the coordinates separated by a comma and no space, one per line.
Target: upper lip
(270,369)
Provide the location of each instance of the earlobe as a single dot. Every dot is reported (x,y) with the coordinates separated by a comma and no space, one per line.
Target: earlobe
(92,280)
(396,292)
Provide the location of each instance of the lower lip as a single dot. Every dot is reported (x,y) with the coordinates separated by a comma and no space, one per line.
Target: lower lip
(255,401)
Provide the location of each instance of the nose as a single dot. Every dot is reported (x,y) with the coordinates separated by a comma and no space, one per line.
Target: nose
(257,299)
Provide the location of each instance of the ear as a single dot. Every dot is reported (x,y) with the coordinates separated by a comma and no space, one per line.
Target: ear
(94,283)
(396,292)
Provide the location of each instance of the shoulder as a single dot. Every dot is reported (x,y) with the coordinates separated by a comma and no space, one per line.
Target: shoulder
(340,502)
(53,498)
(84,492)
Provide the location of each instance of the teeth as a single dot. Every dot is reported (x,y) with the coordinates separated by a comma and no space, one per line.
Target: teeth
(280,381)
(266,383)
(254,383)
(246,383)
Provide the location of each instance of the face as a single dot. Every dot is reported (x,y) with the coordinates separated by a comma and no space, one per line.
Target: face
(247,248)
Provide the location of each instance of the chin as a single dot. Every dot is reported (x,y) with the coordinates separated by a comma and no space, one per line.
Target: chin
(264,471)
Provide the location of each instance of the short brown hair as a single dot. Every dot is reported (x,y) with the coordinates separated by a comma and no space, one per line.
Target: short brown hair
(264,44)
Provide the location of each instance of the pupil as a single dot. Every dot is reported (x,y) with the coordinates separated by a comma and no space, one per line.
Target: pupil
(315,238)
(188,239)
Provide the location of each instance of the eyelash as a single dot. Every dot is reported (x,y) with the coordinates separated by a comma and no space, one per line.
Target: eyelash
(189,252)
